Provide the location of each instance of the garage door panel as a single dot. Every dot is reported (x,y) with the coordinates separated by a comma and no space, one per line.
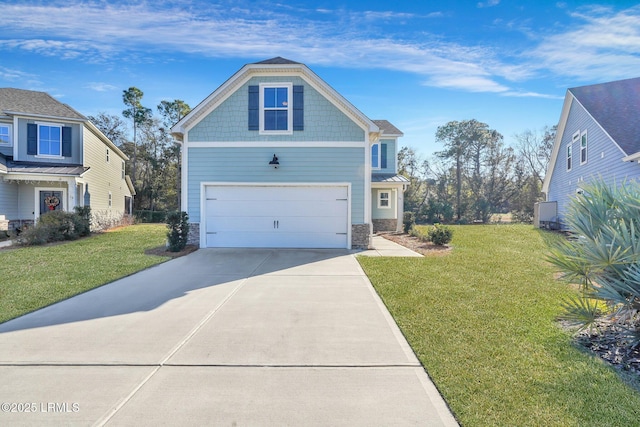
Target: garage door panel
(263,193)
(247,208)
(284,240)
(276,216)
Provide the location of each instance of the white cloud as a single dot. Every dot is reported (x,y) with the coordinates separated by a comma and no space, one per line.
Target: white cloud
(100,87)
(602,45)
(489,3)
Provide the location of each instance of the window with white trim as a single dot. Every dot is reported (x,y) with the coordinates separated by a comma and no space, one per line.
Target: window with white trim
(110,198)
(384,199)
(583,147)
(107,155)
(276,115)
(5,134)
(375,156)
(123,169)
(49,140)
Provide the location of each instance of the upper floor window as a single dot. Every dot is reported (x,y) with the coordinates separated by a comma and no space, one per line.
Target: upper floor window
(49,140)
(107,155)
(569,157)
(375,156)
(583,147)
(5,134)
(123,169)
(276,108)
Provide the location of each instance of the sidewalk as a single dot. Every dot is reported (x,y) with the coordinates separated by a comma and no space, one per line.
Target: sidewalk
(385,247)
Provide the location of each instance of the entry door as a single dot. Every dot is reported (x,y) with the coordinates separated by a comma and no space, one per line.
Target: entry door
(51,201)
(277,216)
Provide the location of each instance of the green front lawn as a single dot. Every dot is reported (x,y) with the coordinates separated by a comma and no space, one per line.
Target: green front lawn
(34,277)
(482,322)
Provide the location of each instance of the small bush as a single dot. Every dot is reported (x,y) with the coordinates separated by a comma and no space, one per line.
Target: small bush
(178,234)
(82,220)
(408,221)
(57,226)
(440,234)
(419,233)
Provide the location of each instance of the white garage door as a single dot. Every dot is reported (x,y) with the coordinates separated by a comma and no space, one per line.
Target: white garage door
(276,216)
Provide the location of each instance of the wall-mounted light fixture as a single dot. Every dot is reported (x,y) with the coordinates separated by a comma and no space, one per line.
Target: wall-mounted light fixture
(274,162)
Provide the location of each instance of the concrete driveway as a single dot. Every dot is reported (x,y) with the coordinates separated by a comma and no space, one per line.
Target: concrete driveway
(219,337)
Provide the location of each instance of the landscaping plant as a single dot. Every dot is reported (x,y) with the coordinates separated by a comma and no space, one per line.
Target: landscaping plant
(440,234)
(602,255)
(178,234)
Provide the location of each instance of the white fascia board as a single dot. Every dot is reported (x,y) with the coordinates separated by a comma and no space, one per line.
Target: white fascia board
(635,157)
(566,107)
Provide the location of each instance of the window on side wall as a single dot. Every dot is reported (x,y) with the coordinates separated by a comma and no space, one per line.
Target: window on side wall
(107,155)
(123,169)
(5,134)
(276,116)
(110,198)
(384,201)
(583,147)
(375,156)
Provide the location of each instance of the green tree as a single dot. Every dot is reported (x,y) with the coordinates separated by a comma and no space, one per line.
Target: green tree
(132,99)
(113,127)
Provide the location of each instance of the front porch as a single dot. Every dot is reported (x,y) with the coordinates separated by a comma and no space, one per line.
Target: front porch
(27,196)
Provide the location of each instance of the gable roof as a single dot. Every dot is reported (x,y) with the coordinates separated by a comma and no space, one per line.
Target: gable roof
(33,103)
(616,107)
(277,60)
(387,128)
(273,66)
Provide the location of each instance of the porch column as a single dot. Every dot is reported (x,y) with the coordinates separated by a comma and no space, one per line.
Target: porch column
(71,194)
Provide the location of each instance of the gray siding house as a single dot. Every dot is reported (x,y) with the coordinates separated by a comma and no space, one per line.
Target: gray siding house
(598,136)
(275,157)
(53,158)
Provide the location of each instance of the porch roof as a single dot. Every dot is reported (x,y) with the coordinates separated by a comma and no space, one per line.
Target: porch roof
(379,177)
(39,169)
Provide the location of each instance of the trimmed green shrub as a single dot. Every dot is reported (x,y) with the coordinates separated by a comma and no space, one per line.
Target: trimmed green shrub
(57,226)
(440,234)
(82,220)
(408,221)
(178,234)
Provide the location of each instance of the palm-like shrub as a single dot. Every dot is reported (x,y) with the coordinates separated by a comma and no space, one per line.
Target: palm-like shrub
(602,254)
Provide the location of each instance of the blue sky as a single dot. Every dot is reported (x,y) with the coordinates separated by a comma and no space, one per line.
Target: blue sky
(418,64)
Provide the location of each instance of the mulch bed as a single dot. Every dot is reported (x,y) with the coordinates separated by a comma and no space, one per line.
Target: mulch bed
(164,251)
(417,245)
(611,345)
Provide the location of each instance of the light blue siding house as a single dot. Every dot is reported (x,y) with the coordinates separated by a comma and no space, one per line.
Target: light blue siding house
(598,136)
(275,157)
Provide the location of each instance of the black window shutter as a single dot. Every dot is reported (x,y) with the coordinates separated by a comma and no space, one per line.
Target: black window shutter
(32,139)
(254,108)
(66,142)
(298,108)
(383,156)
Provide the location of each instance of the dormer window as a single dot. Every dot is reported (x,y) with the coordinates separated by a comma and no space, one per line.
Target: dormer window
(5,134)
(48,140)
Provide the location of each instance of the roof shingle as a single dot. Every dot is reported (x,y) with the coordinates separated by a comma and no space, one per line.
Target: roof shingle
(616,107)
(387,128)
(35,103)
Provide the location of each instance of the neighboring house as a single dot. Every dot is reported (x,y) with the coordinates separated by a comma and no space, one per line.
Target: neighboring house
(275,157)
(53,158)
(598,136)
